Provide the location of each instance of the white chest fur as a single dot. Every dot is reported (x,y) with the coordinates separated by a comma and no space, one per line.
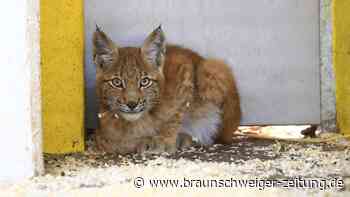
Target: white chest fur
(203,123)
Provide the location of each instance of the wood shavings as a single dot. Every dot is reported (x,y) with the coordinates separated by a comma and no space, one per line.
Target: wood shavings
(254,158)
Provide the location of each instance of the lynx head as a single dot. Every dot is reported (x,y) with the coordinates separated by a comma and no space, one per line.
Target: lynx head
(129,79)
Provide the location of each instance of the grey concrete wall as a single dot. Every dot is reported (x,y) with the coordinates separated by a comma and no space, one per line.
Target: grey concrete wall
(272,47)
(328,107)
(33,62)
(20,114)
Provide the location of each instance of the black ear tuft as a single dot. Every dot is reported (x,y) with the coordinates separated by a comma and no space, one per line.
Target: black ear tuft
(97,28)
(159,28)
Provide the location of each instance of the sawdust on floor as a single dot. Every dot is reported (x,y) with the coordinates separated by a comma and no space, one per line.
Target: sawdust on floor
(93,173)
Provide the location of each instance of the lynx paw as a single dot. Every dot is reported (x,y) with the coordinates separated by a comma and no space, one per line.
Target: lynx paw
(155,145)
(183,141)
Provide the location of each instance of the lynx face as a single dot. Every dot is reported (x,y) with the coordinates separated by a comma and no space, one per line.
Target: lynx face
(130,78)
(130,86)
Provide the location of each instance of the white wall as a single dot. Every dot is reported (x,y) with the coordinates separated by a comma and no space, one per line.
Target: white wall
(19,60)
(271,45)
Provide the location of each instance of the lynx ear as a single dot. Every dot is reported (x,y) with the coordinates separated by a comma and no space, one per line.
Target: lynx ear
(153,49)
(105,53)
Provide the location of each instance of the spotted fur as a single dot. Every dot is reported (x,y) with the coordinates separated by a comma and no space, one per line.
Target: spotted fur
(158,91)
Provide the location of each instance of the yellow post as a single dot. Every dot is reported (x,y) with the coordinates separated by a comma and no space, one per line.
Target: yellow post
(62,49)
(341,61)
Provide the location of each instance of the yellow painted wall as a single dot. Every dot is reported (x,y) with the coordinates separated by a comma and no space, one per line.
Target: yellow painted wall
(62,49)
(341,61)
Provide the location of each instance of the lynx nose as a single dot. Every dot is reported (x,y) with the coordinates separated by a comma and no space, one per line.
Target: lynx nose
(132,105)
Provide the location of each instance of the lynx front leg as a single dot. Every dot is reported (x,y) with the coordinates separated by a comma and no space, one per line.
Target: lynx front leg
(103,144)
(165,141)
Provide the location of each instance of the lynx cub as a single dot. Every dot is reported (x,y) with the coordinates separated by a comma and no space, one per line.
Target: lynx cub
(149,96)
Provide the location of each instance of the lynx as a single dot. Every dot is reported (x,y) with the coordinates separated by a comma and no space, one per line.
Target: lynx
(160,97)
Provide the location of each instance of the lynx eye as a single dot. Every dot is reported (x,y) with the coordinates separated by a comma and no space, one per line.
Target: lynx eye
(145,82)
(116,83)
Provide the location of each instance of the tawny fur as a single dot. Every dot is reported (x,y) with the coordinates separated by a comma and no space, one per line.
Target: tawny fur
(190,94)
